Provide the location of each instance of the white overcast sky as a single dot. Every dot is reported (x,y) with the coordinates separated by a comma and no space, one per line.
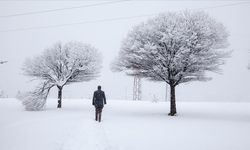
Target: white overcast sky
(15,46)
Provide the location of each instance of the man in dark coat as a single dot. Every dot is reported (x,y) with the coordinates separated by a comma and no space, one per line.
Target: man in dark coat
(99,100)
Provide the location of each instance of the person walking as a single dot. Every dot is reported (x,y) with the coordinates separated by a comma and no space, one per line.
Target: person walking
(98,101)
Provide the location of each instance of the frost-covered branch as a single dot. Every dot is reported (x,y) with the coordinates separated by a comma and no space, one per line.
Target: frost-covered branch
(35,100)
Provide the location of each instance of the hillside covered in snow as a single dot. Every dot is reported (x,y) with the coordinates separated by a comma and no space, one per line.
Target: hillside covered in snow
(126,125)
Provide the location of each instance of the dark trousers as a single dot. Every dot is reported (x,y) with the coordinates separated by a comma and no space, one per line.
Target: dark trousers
(98,113)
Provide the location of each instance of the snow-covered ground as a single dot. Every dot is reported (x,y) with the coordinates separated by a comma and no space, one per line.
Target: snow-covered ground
(127,125)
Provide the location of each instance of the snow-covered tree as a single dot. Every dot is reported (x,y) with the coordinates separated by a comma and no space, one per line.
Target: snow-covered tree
(62,65)
(174,47)
(2,95)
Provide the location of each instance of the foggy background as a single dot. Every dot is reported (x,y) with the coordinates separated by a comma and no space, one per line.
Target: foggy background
(104,27)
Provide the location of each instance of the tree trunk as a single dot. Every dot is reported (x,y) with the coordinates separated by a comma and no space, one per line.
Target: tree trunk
(59,96)
(172,101)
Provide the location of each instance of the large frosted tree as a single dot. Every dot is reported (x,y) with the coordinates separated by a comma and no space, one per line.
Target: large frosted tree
(174,47)
(61,65)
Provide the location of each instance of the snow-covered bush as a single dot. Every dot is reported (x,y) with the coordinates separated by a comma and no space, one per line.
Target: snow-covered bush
(174,47)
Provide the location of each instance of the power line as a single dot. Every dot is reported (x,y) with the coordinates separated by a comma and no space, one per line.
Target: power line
(61,9)
(109,19)
(78,23)
(226,5)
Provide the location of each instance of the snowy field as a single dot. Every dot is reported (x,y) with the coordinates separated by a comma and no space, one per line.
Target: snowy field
(127,125)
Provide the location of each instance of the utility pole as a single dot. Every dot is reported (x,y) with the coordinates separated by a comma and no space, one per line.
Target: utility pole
(137,88)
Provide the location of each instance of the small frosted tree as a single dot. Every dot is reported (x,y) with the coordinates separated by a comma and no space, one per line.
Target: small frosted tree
(62,65)
(175,47)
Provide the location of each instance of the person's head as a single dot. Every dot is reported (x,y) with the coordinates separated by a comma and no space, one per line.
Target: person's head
(99,87)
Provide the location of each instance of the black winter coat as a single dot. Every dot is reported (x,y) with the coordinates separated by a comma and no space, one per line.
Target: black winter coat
(99,98)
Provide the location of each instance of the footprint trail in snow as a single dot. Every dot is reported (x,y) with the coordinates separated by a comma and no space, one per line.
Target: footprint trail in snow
(89,136)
